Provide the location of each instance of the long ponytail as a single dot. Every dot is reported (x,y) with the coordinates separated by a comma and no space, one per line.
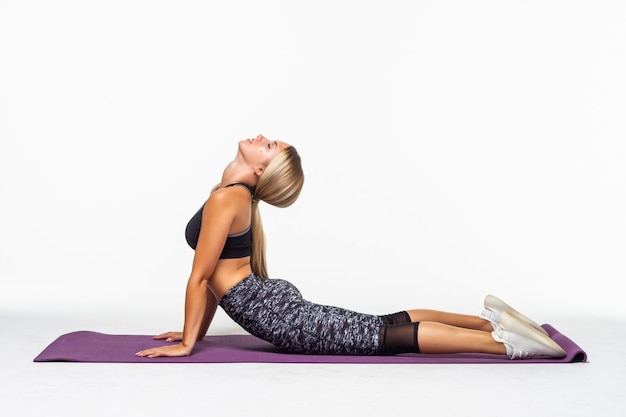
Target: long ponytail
(279,185)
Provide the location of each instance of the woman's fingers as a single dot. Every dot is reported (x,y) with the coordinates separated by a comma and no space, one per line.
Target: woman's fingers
(170,336)
(145,353)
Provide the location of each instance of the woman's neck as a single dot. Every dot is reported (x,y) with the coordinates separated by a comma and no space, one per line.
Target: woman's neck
(238,171)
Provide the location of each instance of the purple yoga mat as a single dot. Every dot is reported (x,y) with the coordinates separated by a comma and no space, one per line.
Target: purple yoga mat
(86,346)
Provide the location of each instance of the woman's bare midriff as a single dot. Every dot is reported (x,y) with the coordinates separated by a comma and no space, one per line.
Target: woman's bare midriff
(227,274)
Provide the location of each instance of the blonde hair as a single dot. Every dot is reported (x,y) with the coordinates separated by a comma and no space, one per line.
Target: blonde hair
(279,185)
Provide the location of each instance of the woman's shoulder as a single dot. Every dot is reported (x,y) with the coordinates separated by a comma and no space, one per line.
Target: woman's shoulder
(229,194)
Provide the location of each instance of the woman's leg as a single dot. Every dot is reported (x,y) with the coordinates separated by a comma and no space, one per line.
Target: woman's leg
(432,331)
(513,337)
(433,337)
(442,338)
(451,319)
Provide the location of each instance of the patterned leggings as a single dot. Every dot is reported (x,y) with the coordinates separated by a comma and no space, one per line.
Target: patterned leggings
(274,310)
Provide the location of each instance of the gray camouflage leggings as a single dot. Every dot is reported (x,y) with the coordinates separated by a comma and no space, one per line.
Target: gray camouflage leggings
(274,310)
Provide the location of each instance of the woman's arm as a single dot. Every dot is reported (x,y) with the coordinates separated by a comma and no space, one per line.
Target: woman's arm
(217,217)
(209,313)
(196,301)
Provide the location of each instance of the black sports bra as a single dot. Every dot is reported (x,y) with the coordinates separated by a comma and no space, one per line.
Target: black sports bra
(237,245)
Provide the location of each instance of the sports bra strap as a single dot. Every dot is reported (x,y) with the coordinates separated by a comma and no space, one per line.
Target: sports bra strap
(250,189)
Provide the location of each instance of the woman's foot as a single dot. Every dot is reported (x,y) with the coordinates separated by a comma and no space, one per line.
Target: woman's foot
(523,341)
(494,307)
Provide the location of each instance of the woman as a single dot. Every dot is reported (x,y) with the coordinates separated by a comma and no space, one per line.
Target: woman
(229,270)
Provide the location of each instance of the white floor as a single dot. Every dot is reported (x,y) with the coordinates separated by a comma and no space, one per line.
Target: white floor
(78,389)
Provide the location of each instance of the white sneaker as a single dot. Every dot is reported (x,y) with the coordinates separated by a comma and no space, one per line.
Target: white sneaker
(523,341)
(494,307)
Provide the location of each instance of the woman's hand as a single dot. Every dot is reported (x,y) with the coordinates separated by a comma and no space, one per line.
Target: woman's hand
(170,336)
(171,350)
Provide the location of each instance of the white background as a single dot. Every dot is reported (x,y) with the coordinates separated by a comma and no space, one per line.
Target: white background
(451,149)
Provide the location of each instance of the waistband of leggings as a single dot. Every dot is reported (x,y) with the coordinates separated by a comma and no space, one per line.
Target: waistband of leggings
(248,281)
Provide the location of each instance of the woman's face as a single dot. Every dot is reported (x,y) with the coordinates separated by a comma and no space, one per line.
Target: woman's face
(260,151)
